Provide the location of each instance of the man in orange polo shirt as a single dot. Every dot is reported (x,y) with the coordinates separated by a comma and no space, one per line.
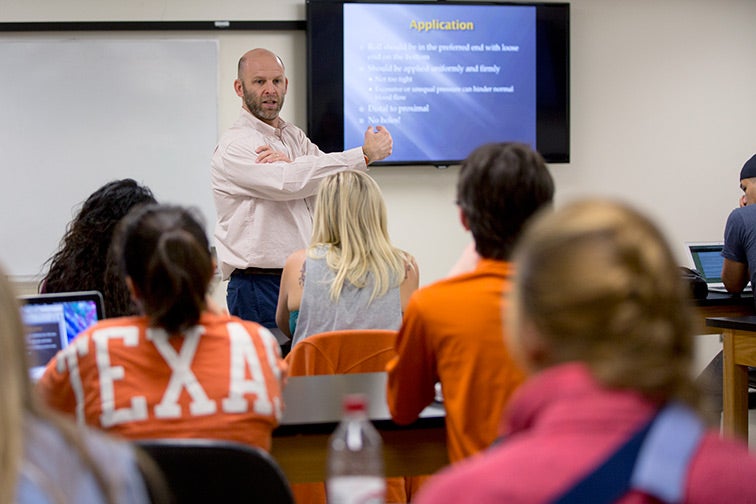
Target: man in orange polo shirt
(453,331)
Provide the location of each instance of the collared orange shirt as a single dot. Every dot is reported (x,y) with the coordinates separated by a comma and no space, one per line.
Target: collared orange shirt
(453,332)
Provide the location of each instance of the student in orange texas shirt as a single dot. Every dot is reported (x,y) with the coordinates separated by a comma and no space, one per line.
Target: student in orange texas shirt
(179,370)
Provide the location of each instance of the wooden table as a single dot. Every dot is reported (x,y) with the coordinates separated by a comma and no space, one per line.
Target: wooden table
(313,409)
(739,352)
(719,304)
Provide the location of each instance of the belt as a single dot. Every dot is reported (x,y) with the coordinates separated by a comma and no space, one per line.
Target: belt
(259,271)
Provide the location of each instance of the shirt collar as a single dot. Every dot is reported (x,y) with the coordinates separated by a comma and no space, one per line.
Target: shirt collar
(262,127)
(486,265)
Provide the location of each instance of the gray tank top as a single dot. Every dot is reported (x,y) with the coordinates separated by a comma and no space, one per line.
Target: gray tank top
(353,310)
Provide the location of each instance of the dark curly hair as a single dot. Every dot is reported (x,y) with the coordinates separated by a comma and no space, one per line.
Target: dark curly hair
(82,261)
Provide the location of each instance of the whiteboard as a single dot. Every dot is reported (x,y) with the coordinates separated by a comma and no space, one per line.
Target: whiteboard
(77,113)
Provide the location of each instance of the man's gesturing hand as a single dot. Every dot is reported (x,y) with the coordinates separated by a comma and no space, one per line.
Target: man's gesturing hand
(378,143)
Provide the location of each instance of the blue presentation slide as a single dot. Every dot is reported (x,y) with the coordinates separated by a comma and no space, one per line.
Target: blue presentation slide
(443,79)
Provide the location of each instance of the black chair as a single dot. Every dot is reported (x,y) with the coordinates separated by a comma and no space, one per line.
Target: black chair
(207,470)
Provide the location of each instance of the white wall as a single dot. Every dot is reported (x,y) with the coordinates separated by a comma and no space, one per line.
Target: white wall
(662,104)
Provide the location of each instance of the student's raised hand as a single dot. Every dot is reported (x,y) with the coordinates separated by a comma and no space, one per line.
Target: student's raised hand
(378,143)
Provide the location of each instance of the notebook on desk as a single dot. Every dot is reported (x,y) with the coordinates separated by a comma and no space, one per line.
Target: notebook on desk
(52,321)
(707,260)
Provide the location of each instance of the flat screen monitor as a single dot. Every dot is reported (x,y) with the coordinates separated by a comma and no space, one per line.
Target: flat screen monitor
(443,77)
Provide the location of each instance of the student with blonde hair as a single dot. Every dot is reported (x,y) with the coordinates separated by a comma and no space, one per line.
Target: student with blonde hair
(351,276)
(602,322)
(45,458)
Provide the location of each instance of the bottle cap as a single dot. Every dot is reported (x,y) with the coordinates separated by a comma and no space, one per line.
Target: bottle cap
(354,403)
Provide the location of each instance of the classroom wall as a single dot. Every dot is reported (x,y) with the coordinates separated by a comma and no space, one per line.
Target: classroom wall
(663,104)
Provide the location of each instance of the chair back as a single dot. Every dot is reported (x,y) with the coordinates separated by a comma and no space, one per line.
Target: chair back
(342,352)
(208,470)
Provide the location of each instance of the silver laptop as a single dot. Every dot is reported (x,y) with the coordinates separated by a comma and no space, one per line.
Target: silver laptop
(53,320)
(707,259)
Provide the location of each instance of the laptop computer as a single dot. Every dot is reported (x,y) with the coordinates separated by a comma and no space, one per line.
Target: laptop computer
(707,259)
(53,320)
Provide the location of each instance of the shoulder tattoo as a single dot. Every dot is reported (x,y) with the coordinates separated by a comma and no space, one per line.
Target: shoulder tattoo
(302,275)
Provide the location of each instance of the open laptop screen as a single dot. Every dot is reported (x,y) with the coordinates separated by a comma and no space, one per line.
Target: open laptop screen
(707,259)
(53,320)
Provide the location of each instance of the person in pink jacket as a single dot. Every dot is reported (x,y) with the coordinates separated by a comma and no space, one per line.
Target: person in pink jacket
(602,322)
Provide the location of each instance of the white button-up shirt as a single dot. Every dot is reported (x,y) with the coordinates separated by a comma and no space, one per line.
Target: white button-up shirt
(265,210)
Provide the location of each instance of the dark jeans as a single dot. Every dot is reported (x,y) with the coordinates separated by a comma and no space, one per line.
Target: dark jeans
(255,297)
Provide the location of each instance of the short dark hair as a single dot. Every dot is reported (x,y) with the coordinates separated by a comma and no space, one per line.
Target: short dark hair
(500,186)
(165,252)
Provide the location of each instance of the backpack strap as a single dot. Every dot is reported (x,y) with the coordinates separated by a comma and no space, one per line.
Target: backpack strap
(654,461)
(662,465)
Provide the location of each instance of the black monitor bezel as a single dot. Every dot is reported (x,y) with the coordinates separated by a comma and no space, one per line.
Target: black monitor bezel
(325,107)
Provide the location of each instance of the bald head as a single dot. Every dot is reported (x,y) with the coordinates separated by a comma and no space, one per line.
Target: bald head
(258,56)
(262,84)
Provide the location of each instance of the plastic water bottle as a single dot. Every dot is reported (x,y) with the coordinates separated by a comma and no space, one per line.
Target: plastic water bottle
(355,458)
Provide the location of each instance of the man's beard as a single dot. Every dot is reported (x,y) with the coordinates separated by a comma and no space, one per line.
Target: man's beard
(254,104)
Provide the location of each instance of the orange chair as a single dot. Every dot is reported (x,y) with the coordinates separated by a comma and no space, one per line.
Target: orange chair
(343,352)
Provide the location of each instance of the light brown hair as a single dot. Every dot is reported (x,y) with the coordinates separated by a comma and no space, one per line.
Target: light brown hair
(600,285)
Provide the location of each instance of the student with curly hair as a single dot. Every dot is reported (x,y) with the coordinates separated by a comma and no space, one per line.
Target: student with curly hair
(82,262)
